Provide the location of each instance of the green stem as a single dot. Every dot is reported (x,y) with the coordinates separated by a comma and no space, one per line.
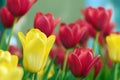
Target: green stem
(34,76)
(95,42)
(58,74)
(11,33)
(3,38)
(65,63)
(116,71)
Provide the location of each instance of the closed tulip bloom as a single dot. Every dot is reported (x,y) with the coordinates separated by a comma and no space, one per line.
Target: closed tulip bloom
(81,61)
(113,43)
(19,7)
(71,34)
(36,48)
(98,17)
(8,67)
(45,22)
(6,17)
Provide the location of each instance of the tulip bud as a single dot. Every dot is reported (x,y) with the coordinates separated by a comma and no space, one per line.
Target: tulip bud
(71,35)
(98,17)
(45,23)
(19,7)
(15,51)
(6,17)
(81,61)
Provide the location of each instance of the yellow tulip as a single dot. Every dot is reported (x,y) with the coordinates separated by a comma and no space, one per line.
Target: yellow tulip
(8,67)
(113,42)
(36,48)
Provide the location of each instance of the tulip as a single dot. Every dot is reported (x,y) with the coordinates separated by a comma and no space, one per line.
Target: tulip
(59,55)
(6,17)
(19,7)
(45,23)
(81,61)
(97,68)
(36,48)
(91,31)
(98,17)
(71,35)
(113,43)
(15,51)
(8,67)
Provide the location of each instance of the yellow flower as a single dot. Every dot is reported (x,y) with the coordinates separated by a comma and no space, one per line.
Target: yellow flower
(8,67)
(36,48)
(113,42)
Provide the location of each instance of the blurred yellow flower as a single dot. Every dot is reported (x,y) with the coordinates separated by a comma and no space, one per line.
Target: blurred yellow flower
(8,67)
(113,42)
(36,48)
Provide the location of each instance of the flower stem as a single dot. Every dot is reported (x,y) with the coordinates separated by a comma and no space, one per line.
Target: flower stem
(15,20)
(116,71)
(34,76)
(58,74)
(64,65)
(3,38)
(95,42)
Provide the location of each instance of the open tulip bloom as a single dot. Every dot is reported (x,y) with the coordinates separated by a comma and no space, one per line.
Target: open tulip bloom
(45,54)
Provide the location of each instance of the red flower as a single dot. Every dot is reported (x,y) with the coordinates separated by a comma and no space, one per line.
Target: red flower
(15,51)
(98,17)
(97,67)
(19,7)
(45,23)
(71,35)
(59,55)
(91,30)
(6,17)
(81,61)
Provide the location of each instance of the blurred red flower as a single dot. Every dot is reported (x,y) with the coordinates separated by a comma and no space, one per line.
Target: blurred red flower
(7,18)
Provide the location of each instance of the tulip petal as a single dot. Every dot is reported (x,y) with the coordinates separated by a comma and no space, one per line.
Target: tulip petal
(35,33)
(22,38)
(75,65)
(14,60)
(49,44)
(95,60)
(33,57)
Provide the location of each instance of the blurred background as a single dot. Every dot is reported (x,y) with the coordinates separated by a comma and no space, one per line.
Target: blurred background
(68,10)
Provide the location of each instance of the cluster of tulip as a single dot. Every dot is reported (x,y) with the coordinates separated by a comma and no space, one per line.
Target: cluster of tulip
(69,58)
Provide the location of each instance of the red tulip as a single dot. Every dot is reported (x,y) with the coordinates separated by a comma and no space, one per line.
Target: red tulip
(19,7)
(81,61)
(71,35)
(15,51)
(6,17)
(105,32)
(45,23)
(91,30)
(98,17)
(59,55)
(97,68)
